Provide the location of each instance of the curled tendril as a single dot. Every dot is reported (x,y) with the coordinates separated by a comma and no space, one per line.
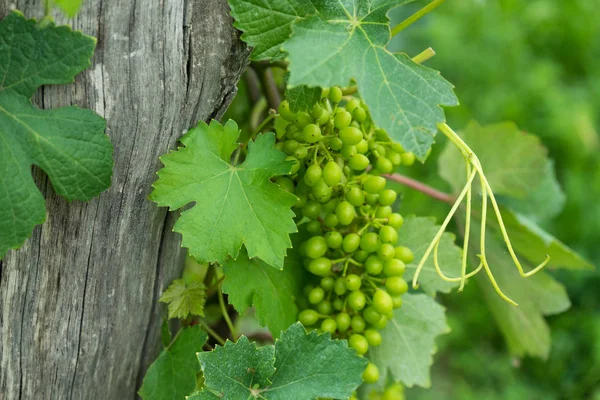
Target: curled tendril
(473,169)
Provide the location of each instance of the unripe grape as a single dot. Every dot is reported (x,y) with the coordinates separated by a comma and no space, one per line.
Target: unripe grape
(343,321)
(370,242)
(330,205)
(338,304)
(374,184)
(397,147)
(381,135)
(334,239)
(358,343)
(301,152)
(395,220)
(285,112)
(351,243)
(330,221)
(316,111)
(405,254)
(382,302)
(279,146)
(408,159)
(350,136)
(397,300)
(321,191)
(383,212)
(371,315)
(339,287)
(357,301)
(312,133)
(353,282)
(327,283)
(348,151)
(387,197)
(286,184)
(358,162)
(316,246)
(301,202)
(324,307)
(362,147)
(394,392)
(336,143)
(316,295)
(308,317)
(289,146)
(358,324)
(302,119)
(381,324)
(335,94)
(386,251)
(371,373)
(373,265)
(379,150)
(393,267)
(394,157)
(345,213)
(360,255)
(320,266)
(352,104)
(396,285)
(387,234)
(359,114)
(373,337)
(371,199)
(355,196)
(384,165)
(311,209)
(328,325)
(313,174)
(332,173)
(295,165)
(314,227)
(306,290)
(342,119)
(324,118)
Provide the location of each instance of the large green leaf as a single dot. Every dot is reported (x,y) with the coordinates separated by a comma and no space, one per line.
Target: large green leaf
(302,97)
(416,233)
(68,143)
(234,204)
(300,366)
(173,375)
(406,352)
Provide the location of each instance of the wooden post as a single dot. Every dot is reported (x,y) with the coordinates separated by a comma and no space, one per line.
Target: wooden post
(78,312)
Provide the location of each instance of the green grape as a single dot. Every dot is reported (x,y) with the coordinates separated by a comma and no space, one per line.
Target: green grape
(350,136)
(330,221)
(306,290)
(395,158)
(328,325)
(396,285)
(371,199)
(330,205)
(352,104)
(360,255)
(386,251)
(289,146)
(383,212)
(387,234)
(358,162)
(379,150)
(362,147)
(313,174)
(382,302)
(301,152)
(332,173)
(338,304)
(397,147)
(324,118)
(381,135)
(345,212)
(387,197)
(404,254)
(286,184)
(371,315)
(359,114)
(393,267)
(336,143)
(358,343)
(279,146)
(335,94)
(373,265)
(302,119)
(351,243)
(357,301)
(339,287)
(334,239)
(316,246)
(301,202)
(384,165)
(358,324)
(320,266)
(321,191)
(295,165)
(371,373)
(312,133)
(308,317)
(316,295)
(370,242)
(408,159)
(324,307)
(285,112)
(374,184)
(395,220)
(373,337)
(381,324)
(355,196)
(353,282)
(394,392)
(311,209)
(316,111)
(314,227)
(397,301)
(342,119)
(327,283)
(343,321)
(348,151)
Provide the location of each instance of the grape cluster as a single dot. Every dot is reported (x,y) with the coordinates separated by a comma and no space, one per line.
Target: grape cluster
(352,248)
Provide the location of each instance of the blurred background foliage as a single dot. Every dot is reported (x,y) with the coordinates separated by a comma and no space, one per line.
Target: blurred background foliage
(536,63)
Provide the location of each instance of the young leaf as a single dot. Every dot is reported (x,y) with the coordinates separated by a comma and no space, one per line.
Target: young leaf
(173,375)
(234,204)
(68,143)
(412,233)
(300,366)
(251,282)
(183,299)
(408,345)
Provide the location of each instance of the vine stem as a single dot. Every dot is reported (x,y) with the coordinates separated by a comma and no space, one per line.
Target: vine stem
(421,187)
(212,332)
(270,88)
(416,16)
(424,55)
(226,314)
(47,8)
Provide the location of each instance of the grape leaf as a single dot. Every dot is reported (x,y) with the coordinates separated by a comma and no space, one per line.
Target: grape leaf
(416,233)
(70,7)
(272,292)
(202,395)
(514,162)
(300,366)
(302,97)
(346,40)
(68,143)
(234,205)
(173,375)
(183,299)
(406,352)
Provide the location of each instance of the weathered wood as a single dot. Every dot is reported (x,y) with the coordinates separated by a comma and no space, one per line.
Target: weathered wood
(78,313)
